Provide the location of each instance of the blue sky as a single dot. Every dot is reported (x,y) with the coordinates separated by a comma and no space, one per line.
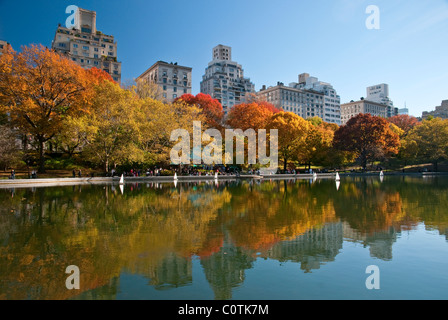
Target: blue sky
(273,40)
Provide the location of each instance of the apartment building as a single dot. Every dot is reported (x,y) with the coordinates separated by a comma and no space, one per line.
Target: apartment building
(380,94)
(353,108)
(172,79)
(332,101)
(305,103)
(3,46)
(224,79)
(439,112)
(87,46)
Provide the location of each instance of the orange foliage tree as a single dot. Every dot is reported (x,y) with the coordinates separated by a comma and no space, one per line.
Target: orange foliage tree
(369,137)
(292,135)
(254,115)
(40,88)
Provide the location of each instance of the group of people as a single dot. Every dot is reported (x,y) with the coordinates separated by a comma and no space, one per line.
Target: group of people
(32,175)
(79,173)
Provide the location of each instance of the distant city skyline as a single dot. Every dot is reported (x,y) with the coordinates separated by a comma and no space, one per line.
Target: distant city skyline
(273,41)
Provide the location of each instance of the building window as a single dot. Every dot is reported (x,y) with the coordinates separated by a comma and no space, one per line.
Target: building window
(175,89)
(174,96)
(75,45)
(85,47)
(164,88)
(96,49)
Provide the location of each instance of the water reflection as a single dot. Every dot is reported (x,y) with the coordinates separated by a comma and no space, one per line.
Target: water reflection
(156,230)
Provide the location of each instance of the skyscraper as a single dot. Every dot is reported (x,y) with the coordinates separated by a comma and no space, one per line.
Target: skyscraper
(224,79)
(380,94)
(87,46)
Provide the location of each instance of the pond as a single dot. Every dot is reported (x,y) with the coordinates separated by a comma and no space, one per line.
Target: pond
(242,240)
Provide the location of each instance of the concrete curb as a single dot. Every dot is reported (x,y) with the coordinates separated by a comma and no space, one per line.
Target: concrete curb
(48,182)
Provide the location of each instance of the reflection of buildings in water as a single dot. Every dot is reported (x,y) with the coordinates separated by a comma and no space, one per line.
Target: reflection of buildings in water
(380,242)
(171,272)
(106,292)
(311,249)
(224,270)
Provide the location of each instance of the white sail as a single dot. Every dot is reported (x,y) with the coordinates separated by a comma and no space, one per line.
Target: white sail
(337,176)
(381,174)
(216,175)
(122,179)
(175,176)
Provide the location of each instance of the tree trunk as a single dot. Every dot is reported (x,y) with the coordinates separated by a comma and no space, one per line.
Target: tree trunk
(41,155)
(285,162)
(436,166)
(106,165)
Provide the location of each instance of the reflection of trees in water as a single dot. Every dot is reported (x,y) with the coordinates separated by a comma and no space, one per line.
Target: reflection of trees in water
(154,230)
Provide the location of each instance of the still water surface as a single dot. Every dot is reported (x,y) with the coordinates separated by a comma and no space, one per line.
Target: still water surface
(228,240)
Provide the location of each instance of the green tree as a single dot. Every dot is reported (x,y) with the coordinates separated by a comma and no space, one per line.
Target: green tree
(428,142)
(111,131)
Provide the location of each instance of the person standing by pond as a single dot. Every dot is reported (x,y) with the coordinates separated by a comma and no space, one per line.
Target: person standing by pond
(13,174)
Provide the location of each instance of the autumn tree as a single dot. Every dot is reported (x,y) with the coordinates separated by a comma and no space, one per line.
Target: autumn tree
(369,137)
(317,145)
(428,141)
(292,134)
(38,89)
(253,115)
(210,108)
(146,89)
(9,147)
(111,131)
(158,120)
(404,122)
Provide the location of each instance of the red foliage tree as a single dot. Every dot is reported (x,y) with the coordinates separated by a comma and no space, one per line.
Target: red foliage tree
(368,136)
(404,122)
(211,108)
(99,75)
